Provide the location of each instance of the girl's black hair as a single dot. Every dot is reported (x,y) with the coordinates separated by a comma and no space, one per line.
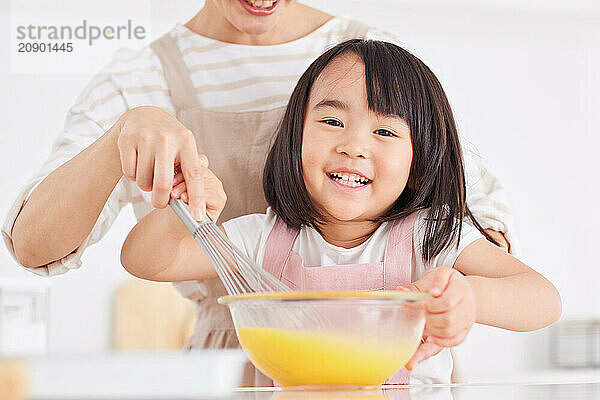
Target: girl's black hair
(397,83)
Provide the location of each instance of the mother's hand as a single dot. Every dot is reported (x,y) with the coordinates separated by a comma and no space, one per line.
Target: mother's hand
(151,143)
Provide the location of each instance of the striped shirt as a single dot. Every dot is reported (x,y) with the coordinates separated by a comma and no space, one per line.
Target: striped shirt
(226,77)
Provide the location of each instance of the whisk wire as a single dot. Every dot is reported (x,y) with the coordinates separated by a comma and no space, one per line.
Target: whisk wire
(253,278)
(240,275)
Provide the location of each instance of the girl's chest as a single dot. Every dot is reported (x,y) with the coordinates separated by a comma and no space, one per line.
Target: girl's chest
(313,264)
(314,251)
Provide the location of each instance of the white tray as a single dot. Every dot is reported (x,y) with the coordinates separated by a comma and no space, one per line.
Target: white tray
(198,374)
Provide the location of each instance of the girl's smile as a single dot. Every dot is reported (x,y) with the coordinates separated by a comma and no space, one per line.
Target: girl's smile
(349,178)
(355,162)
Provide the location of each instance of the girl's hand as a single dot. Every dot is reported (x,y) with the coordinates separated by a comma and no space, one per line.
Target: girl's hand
(213,191)
(426,349)
(151,142)
(449,316)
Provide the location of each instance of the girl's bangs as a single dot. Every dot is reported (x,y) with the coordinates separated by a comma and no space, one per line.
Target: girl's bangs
(386,79)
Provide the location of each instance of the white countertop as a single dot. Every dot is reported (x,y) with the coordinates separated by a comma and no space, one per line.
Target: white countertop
(197,375)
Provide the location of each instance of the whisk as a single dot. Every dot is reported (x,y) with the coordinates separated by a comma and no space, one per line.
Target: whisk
(239,274)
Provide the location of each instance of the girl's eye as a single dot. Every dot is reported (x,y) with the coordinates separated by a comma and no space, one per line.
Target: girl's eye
(333,122)
(384,132)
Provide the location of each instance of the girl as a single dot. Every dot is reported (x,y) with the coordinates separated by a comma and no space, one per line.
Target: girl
(366,190)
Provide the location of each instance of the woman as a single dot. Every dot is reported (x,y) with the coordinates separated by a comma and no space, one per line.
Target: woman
(217,87)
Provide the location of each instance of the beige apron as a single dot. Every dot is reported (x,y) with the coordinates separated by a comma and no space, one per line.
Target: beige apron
(236,144)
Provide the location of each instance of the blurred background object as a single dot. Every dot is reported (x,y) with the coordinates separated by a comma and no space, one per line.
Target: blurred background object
(24,315)
(13,380)
(151,316)
(576,343)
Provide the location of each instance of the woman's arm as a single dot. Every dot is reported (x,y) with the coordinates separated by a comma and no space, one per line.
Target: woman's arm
(64,207)
(144,144)
(508,294)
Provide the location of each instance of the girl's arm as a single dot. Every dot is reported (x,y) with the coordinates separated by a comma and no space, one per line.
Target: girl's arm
(508,294)
(160,248)
(488,286)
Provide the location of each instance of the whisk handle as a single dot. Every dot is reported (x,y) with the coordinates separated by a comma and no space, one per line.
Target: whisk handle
(182,210)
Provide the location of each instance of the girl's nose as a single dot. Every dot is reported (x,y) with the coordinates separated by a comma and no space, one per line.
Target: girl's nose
(353,145)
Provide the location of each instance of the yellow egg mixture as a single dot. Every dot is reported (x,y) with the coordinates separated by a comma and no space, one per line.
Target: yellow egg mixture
(299,358)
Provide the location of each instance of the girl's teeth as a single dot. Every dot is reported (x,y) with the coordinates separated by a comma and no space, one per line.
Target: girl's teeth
(261,3)
(349,180)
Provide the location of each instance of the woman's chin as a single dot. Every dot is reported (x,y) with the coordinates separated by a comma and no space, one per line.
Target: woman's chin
(255,25)
(256,28)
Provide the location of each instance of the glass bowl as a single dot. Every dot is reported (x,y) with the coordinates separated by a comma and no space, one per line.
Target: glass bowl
(334,340)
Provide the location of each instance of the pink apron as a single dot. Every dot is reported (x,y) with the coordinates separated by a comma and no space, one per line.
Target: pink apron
(393,271)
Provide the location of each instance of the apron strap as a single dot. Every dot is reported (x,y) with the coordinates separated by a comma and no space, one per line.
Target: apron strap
(399,250)
(355,30)
(279,247)
(183,92)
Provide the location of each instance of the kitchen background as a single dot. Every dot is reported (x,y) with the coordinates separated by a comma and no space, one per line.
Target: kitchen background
(524,81)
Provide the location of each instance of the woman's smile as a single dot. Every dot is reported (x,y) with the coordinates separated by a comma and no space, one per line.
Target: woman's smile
(260,7)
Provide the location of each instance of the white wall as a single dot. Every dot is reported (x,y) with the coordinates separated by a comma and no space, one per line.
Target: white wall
(524,82)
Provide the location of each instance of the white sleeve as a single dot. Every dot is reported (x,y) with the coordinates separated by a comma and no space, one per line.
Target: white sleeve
(96,109)
(250,233)
(485,196)
(448,256)
(384,36)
